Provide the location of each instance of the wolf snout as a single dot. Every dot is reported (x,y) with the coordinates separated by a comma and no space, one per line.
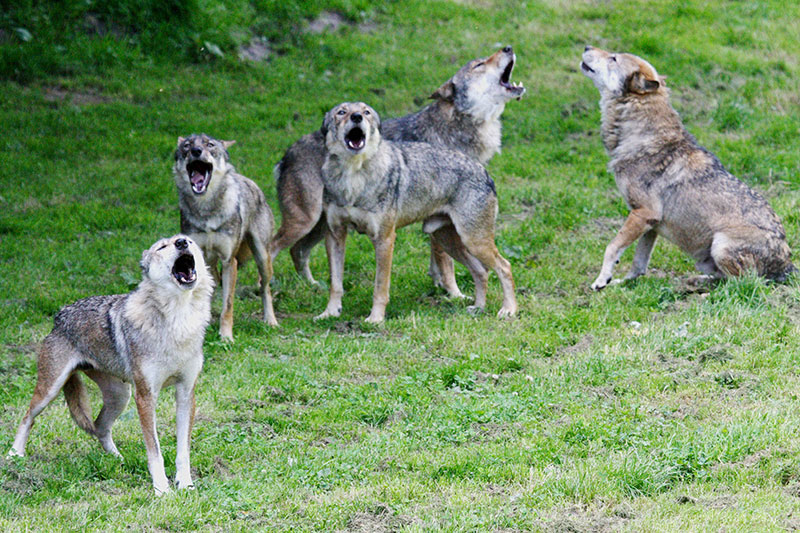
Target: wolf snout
(196,151)
(181,244)
(356,117)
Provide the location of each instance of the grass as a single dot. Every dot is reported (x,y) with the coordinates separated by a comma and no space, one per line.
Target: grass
(650,406)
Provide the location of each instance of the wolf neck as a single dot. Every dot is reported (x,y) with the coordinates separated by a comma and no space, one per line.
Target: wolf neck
(479,137)
(219,201)
(170,319)
(354,175)
(634,125)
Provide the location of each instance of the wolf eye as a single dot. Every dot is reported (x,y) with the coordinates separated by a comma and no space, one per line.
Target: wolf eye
(162,246)
(341,112)
(479,64)
(614,59)
(210,144)
(366,111)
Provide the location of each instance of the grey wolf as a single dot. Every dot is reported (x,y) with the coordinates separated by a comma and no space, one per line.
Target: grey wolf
(673,186)
(375,186)
(227,215)
(464,116)
(151,338)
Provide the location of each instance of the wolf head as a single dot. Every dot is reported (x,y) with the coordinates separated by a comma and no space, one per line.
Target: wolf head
(617,75)
(200,163)
(175,264)
(352,129)
(482,87)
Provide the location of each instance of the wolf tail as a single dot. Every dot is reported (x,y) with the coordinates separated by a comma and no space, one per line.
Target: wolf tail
(78,403)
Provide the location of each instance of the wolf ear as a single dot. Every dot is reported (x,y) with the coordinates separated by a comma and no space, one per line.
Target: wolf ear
(144,263)
(446,93)
(640,84)
(326,123)
(180,140)
(228,144)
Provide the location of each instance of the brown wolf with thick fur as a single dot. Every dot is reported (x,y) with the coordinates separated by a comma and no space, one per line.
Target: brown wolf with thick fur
(674,187)
(151,338)
(464,116)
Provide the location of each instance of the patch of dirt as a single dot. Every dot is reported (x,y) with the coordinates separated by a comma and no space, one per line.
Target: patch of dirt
(379,519)
(583,344)
(327,21)
(579,519)
(88,97)
(256,50)
(221,468)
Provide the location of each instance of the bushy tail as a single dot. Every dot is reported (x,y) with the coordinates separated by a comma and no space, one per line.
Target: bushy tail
(78,403)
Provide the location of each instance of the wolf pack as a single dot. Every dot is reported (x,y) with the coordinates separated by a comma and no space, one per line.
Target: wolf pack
(358,172)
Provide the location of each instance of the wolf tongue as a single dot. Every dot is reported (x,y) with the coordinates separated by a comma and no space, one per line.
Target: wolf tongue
(197,178)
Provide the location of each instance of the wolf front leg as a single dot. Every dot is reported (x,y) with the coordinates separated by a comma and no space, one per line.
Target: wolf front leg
(335,246)
(384,249)
(184,420)
(639,222)
(145,399)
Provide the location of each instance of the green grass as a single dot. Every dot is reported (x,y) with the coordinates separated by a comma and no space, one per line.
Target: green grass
(647,407)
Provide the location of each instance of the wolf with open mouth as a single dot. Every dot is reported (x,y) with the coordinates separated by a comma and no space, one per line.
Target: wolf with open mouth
(376,186)
(464,116)
(228,216)
(151,338)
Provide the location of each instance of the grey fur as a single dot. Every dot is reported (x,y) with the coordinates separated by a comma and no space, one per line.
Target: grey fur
(464,116)
(375,185)
(229,218)
(151,338)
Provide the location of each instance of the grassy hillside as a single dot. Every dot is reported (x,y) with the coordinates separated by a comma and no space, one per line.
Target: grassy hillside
(651,406)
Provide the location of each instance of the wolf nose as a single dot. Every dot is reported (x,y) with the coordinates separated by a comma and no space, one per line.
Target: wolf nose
(356,117)
(181,244)
(587,48)
(508,49)
(197,151)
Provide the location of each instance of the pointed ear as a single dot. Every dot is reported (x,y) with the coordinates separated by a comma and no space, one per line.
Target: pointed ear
(144,263)
(228,144)
(638,83)
(180,140)
(446,93)
(326,123)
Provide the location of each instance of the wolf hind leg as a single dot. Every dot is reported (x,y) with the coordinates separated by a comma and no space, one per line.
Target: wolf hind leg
(116,395)
(56,364)
(448,241)
(301,250)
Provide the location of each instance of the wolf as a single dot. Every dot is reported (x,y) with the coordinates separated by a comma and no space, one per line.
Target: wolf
(151,338)
(375,186)
(673,186)
(464,116)
(227,215)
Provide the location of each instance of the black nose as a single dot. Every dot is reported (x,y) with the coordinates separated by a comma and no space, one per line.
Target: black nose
(197,151)
(587,48)
(181,244)
(356,117)
(508,49)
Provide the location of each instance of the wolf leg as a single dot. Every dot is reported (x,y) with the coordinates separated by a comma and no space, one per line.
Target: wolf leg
(184,419)
(641,258)
(301,251)
(116,395)
(229,272)
(264,264)
(145,399)
(639,222)
(335,246)
(384,249)
(55,366)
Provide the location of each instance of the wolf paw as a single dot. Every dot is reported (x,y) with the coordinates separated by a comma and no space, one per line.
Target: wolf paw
(601,283)
(474,310)
(505,312)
